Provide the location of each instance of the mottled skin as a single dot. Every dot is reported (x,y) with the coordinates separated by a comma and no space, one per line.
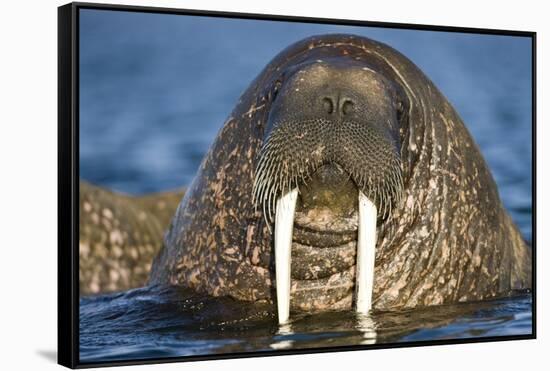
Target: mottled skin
(119,237)
(449,239)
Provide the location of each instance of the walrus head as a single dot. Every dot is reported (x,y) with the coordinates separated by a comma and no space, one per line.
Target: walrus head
(328,170)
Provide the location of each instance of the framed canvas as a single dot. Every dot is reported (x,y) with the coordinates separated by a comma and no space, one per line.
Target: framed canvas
(236,185)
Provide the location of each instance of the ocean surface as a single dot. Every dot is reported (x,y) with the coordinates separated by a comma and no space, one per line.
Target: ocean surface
(157,322)
(154,92)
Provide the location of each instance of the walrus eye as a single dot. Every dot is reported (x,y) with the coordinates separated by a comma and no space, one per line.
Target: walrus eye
(399,110)
(276,87)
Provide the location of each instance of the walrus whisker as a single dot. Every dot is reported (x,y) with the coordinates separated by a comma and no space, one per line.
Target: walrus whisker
(259,190)
(260,172)
(262,191)
(386,201)
(390,206)
(260,182)
(271,200)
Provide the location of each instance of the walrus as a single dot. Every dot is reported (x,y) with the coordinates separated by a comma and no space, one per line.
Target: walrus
(119,236)
(343,179)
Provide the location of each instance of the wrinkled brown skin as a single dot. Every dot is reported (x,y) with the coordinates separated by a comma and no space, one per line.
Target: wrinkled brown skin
(449,239)
(120,236)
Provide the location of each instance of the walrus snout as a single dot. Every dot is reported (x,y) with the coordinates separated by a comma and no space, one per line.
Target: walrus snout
(332,130)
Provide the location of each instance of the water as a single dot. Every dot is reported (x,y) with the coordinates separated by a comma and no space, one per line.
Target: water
(170,322)
(155,90)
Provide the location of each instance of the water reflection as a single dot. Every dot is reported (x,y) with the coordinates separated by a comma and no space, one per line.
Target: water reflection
(284,331)
(366,324)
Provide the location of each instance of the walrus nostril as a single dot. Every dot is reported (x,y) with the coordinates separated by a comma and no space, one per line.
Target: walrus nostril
(347,106)
(328,105)
(340,106)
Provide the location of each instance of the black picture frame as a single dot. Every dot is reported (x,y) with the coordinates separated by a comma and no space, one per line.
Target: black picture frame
(68,170)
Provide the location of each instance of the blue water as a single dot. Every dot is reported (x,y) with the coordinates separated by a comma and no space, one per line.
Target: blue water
(155,90)
(158,322)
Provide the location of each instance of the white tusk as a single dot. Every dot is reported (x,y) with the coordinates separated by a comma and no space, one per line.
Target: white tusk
(366,248)
(284,224)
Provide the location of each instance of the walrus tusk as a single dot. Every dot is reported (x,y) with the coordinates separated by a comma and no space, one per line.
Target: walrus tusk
(284,223)
(366,248)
